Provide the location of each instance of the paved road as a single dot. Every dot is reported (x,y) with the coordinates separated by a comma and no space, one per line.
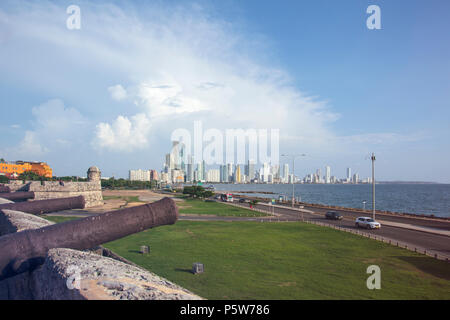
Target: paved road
(420,239)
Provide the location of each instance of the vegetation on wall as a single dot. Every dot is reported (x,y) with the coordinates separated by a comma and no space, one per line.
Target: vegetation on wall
(127,184)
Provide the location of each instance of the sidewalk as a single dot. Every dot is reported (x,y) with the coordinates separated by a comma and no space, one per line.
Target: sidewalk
(413,227)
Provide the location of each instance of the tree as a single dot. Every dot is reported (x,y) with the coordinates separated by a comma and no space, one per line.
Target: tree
(4,179)
(197,192)
(121,183)
(31,176)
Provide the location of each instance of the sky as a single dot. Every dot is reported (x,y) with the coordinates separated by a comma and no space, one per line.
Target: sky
(111,93)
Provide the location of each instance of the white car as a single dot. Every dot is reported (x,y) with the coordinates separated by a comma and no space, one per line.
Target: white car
(366,222)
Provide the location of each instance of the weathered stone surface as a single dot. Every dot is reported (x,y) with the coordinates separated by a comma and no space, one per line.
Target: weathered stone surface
(17,185)
(91,191)
(94,174)
(101,278)
(14,221)
(4,201)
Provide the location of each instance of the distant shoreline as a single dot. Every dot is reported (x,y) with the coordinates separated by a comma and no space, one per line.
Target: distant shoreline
(343,184)
(409,182)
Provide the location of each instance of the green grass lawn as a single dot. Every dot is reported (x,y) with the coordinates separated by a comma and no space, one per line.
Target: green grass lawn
(254,260)
(195,206)
(126,198)
(58,219)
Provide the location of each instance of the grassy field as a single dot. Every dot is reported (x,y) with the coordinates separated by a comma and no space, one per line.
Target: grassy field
(253,260)
(126,198)
(195,206)
(58,219)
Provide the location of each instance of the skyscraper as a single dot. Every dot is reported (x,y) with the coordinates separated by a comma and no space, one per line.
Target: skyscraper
(224,174)
(200,171)
(349,174)
(230,172)
(213,175)
(238,174)
(319,175)
(204,169)
(327,174)
(175,153)
(265,172)
(286,173)
(251,169)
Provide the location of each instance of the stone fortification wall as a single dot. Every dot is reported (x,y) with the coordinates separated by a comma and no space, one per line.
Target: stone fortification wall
(78,275)
(92,190)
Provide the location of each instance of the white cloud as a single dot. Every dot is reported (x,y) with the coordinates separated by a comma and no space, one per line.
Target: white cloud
(167,99)
(123,134)
(181,66)
(118,92)
(54,118)
(53,126)
(30,146)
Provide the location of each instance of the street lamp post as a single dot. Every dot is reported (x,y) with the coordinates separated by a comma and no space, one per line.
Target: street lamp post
(373,185)
(293,156)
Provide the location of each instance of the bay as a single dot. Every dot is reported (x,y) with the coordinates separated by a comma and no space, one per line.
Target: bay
(428,199)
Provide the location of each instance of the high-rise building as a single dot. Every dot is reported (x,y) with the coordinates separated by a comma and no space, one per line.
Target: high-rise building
(175,153)
(165,177)
(200,171)
(169,163)
(265,172)
(196,176)
(349,174)
(291,178)
(190,169)
(286,173)
(275,171)
(230,172)
(251,170)
(238,174)
(319,175)
(327,174)
(204,169)
(213,175)
(224,174)
(189,172)
(139,175)
(154,175)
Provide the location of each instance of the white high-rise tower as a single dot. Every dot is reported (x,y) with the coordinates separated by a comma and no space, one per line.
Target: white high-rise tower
(327,174)
(286,173)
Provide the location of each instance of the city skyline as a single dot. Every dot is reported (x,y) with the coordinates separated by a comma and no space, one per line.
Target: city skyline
(180,167)
(112,92)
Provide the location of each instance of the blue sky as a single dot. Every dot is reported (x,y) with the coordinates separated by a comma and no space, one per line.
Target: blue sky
(105,95)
